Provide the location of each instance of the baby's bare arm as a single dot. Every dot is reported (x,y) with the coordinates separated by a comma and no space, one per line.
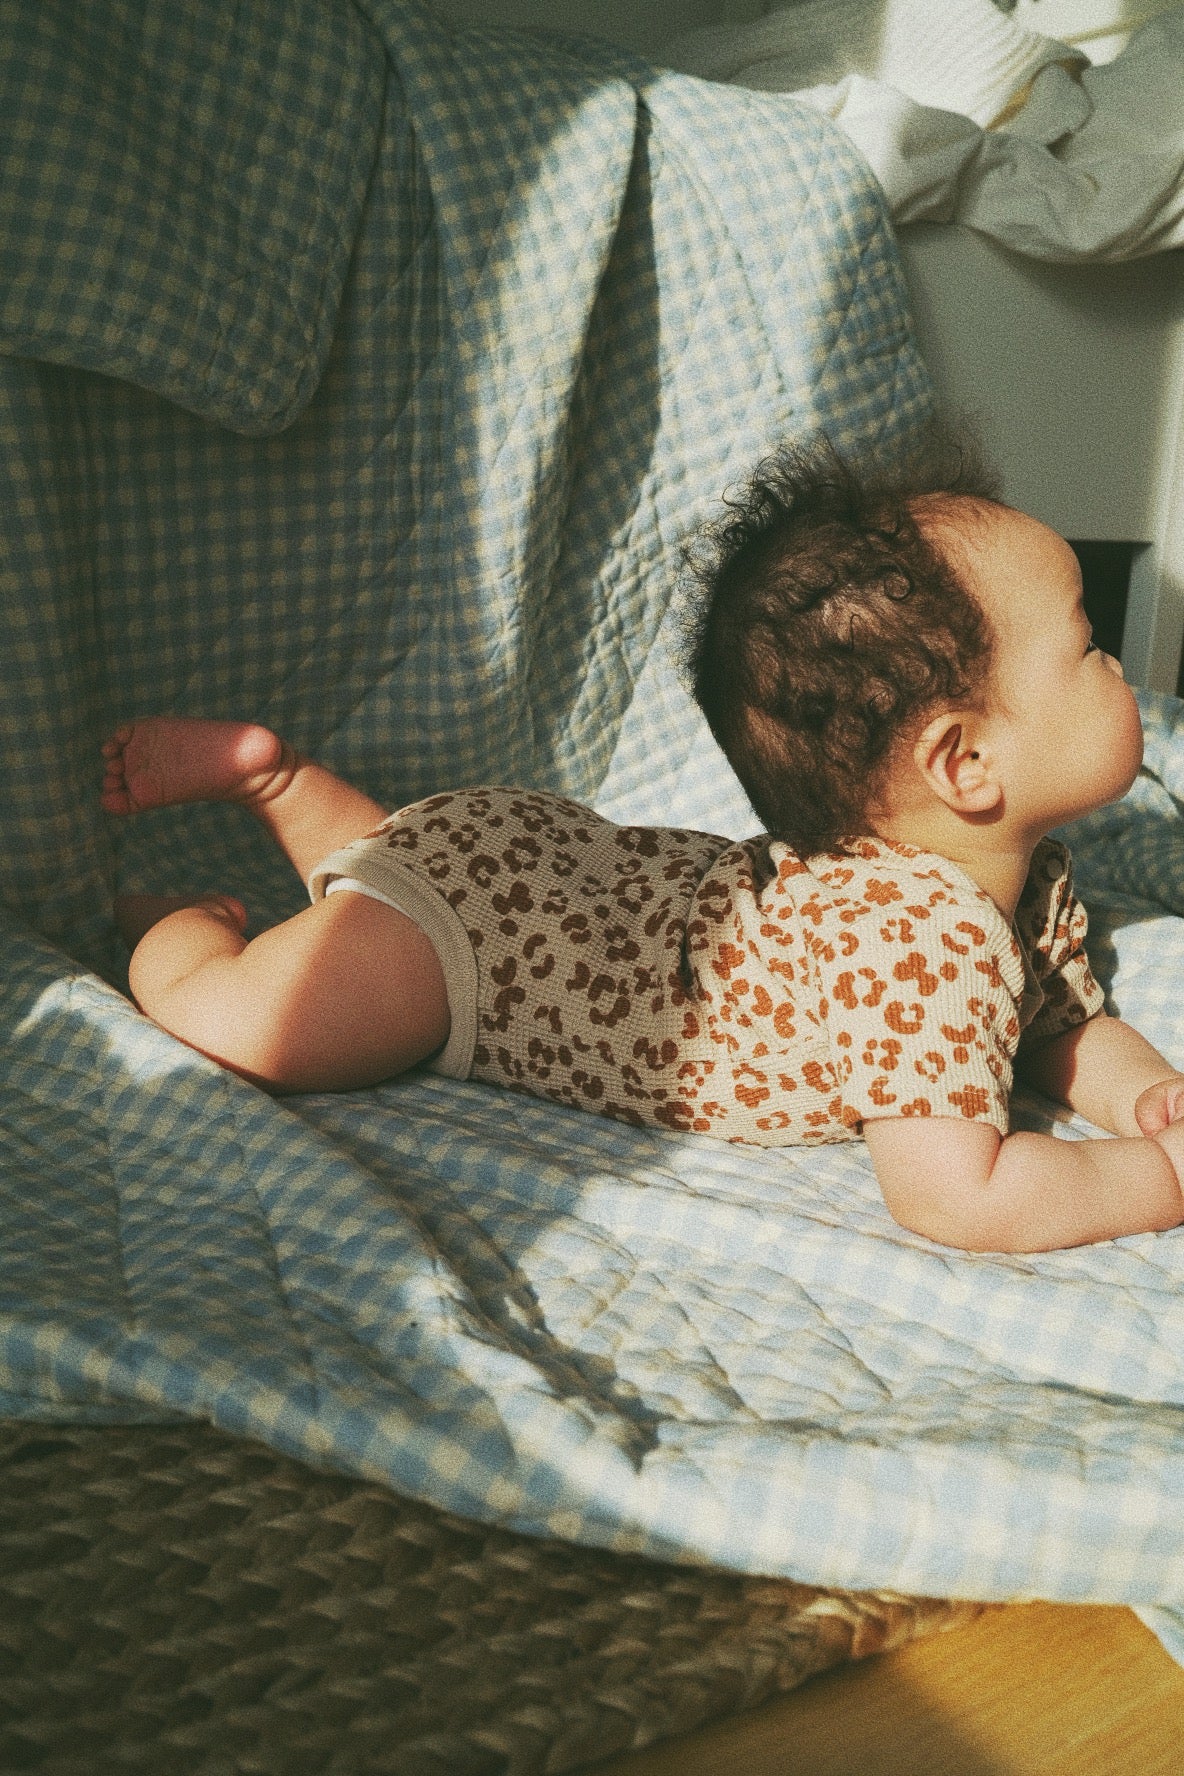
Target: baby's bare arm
(1102,1069)
(962,1184)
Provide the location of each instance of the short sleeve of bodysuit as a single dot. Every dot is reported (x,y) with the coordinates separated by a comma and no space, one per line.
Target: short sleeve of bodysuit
(929,989)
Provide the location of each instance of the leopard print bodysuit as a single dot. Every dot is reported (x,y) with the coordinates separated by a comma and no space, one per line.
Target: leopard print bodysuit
(689,982)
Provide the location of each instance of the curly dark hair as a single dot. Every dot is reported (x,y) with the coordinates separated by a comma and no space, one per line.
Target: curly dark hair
(828,623)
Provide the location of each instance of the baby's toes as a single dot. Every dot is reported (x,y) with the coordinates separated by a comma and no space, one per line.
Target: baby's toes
(113,747)
(113,795)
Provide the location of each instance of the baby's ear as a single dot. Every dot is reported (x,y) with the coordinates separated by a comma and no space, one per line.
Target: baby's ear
(955,761)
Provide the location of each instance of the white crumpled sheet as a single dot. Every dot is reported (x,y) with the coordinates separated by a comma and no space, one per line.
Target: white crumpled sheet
(1090,167)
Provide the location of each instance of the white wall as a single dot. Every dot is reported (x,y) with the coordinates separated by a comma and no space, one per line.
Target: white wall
(645,25)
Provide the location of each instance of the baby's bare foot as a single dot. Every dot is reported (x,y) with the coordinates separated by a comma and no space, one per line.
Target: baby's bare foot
(136,914)
(164,760)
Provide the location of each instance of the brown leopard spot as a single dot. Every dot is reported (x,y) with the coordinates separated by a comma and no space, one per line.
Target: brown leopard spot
(675,1115)
(518,900)
(655,1057)
(619,946)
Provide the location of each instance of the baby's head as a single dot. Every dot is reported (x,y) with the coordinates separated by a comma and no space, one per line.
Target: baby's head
(842,616)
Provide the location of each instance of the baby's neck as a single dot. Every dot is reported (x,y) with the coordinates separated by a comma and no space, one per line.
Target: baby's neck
(996,859)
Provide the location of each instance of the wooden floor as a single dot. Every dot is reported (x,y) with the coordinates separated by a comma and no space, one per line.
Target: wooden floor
(1028,1690)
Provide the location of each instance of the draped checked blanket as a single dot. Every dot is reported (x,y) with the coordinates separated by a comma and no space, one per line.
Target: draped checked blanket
(369,380)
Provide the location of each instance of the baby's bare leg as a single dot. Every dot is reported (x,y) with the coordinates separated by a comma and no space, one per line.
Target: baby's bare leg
(167,760)
(347,993)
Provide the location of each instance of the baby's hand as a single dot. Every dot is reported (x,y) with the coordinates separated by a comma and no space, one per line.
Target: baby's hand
(1161,1104)
(1171,1139)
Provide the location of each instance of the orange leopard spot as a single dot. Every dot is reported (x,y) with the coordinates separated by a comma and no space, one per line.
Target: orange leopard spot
(726,960)
(904,1022)
(752,1095)
(889,1056)
(913,968)
(971,1101)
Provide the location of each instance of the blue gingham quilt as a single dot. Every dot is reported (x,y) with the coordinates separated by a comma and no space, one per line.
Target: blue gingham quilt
(371,382)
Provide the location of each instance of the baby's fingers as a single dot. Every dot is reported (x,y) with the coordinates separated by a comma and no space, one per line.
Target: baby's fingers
(1160,1105)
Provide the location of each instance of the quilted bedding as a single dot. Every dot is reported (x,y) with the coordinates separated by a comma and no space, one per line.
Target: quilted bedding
(369,379)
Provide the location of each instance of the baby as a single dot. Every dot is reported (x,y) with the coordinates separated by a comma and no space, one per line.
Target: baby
(904,679)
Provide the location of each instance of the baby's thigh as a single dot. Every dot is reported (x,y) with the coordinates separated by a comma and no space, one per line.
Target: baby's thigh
(347,993)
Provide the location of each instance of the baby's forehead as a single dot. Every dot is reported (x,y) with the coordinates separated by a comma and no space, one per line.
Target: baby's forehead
(1018,570)
(975,536)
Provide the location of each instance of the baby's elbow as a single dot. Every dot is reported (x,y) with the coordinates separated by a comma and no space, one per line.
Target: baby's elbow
(997,1203)
(964,1226)
(962,1208)
(935,1175)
